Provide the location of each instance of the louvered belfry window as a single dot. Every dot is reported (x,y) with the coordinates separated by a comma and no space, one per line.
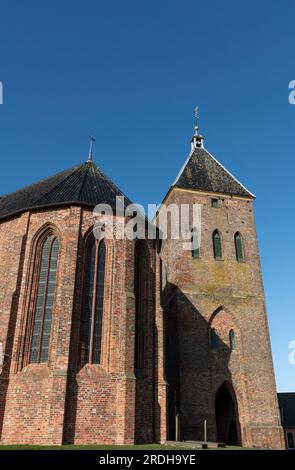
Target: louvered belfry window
(239,247)
(44,302)
(217,248)
(93,300)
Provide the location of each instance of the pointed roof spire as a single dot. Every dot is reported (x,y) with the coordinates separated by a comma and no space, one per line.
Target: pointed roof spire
(197,139)
(202,172)
(90,156)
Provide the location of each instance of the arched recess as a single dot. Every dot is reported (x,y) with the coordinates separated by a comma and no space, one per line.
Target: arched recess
(228,333)
(144,344)
(42,281)
(228,428)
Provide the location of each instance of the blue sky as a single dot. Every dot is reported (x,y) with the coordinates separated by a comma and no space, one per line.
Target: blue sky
(131,73)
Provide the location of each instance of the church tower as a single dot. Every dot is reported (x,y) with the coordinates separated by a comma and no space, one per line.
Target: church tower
(218,356)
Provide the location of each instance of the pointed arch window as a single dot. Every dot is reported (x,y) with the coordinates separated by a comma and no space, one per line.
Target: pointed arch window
(195,243)
(93,300)
(44,299)
(232,340)
(239,247)
(213,339)
(217,246)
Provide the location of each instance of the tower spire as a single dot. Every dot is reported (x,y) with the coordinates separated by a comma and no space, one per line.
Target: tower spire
(90,157)
(197,139)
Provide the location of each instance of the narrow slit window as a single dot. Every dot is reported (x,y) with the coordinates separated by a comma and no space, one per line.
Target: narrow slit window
(290,440)
(232,340)
(213,339)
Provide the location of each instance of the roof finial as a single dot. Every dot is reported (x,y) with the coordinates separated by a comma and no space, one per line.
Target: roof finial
(197,139)
(196,127)
(92,139)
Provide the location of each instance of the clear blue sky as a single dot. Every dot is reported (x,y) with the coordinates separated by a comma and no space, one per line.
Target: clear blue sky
(131,73)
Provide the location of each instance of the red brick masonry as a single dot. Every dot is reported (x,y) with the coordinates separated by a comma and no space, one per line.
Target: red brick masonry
(63,401)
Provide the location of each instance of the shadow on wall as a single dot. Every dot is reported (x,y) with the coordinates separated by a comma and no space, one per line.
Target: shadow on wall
(71,401)
(197,371)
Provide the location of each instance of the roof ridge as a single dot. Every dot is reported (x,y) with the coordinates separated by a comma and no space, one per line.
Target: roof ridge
(82,181)
(111,184)
(183,167)
(227,171)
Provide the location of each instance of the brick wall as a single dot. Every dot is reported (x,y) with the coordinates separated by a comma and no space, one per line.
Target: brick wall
(64,400)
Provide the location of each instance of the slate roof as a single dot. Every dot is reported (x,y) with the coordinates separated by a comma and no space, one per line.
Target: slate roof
(287,407)
(84,184)
(203,172)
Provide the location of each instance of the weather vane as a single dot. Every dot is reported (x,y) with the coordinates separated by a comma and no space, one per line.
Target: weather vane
(196,117)
(92,139)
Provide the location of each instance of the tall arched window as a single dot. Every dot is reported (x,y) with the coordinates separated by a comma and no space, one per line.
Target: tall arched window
(217,247)
(213,339)
(93,300)
(195,243)
(239,247)
(44,300)
(232,340)
(140,292)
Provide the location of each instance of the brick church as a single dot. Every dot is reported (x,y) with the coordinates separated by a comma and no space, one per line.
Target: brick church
(120,341)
